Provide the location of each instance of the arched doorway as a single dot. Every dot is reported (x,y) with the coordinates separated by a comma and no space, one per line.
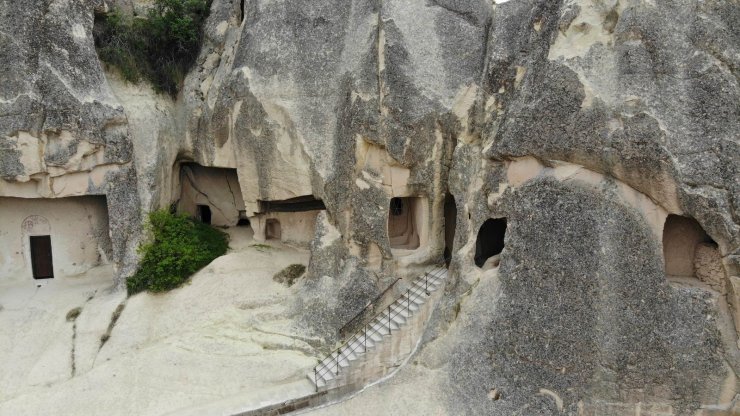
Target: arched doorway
(273,230)
(490,240)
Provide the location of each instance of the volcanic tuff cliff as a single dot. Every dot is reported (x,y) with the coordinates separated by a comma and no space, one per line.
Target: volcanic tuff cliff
(584,123)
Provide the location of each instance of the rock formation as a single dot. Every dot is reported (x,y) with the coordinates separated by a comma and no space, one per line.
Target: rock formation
(584,123)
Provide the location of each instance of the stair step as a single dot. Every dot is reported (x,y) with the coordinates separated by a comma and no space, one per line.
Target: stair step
(431,283)
(384,321)
(376,337)
(381,327)
(327,375)
(407,305)
(318,381)
(416,301)
(358,345)
(401,310)
(420,286)
(366,338)
(418,295)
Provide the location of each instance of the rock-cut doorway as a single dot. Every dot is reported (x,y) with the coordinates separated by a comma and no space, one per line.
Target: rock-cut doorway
(42,264)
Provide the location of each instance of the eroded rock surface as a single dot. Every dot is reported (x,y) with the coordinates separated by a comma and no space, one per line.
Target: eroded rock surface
(584,123)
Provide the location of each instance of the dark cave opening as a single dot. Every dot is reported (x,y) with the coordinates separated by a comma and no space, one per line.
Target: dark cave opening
(490,240)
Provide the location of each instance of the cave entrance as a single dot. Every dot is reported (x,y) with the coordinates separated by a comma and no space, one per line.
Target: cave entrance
(273,230)
(203,214)
(41,259)
(688,251)
(211,195)
(243,220)
(402,223)
(490,241)
(290,220)
(450,225)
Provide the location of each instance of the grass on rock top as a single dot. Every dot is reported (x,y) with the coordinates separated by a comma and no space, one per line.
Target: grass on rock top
(160,47)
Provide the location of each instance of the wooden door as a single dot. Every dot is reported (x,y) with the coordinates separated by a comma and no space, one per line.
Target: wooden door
(41,261)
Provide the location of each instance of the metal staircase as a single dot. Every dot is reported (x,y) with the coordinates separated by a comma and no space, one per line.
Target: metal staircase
(332,369)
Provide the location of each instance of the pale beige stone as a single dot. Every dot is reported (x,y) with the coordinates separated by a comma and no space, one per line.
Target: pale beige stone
(521,170)
(294,227)
(227,333)
(217,188)
(733,295)
(681,235)
(78,228)
(708,266)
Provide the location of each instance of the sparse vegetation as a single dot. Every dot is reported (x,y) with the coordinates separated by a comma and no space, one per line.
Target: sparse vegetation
(113,319)
(73,314)
(288,275)
(261,247)
(178,247)
(160,47)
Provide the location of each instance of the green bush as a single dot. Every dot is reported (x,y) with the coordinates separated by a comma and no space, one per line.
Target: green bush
(160,47)
(178,247)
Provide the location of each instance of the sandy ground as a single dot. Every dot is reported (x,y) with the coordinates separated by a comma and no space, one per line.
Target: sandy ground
(222,340)
(412,391)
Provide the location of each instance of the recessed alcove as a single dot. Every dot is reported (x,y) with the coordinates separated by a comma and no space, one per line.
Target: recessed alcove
(404,223)
(688,251)
(210,195)
(681,235)
(490,241)
(290,220)
(273,230)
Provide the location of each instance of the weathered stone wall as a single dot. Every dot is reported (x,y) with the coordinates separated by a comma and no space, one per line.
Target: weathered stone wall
(78,227)
(582,273)
(296,228)
(218,188)
(62,132)
(584,123)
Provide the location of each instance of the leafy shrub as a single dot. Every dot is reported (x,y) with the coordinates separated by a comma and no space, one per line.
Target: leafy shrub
(160,47)
(179,246)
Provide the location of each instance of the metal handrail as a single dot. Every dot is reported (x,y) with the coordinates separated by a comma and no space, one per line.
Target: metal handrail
(323,368)
(343,351)
(349,326)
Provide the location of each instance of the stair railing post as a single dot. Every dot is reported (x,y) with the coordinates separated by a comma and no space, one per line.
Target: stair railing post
(364,340)
(338,361)
(389,319)
(316,378)
(426,282)
(408,302)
